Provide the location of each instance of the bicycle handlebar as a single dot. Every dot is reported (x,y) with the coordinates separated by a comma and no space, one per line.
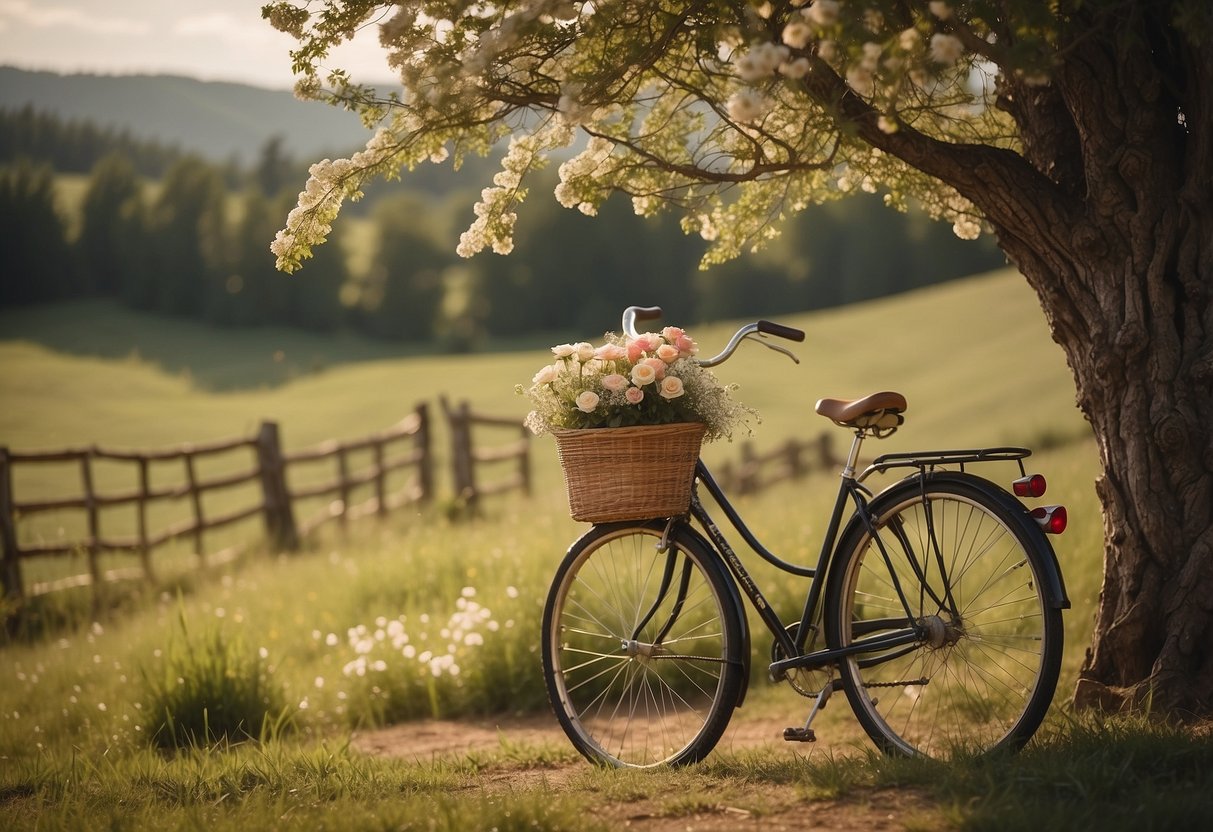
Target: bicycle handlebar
(648,313)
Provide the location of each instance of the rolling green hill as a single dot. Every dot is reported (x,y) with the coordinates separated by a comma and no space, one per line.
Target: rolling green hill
(216,120)
(973,357)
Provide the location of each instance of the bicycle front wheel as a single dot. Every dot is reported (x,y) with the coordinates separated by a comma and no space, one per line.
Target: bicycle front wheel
(642,649)
(967,562)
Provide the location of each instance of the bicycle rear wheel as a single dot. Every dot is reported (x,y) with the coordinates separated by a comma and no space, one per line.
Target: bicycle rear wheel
(970,564)
(642,649)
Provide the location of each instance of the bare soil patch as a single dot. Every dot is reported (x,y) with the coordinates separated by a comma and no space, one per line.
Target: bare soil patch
(758,805)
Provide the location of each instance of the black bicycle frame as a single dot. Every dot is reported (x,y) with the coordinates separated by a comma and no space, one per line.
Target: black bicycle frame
(792,645)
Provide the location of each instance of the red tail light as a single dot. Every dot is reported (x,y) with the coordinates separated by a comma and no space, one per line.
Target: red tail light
(1033,485)
(1051,518)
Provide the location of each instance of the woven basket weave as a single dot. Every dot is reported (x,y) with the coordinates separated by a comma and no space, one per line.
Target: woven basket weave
(632,473)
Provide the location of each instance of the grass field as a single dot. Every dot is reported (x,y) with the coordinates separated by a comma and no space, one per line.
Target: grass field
(305,652)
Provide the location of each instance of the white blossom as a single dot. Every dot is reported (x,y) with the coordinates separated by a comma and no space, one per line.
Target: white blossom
(747,105)
(946,49)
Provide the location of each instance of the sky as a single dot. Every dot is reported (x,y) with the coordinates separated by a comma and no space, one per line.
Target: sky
(213,40)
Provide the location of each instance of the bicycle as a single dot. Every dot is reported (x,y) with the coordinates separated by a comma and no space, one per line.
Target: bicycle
(936,607)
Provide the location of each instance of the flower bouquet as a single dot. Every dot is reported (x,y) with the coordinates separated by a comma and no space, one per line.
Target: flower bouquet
(629,417)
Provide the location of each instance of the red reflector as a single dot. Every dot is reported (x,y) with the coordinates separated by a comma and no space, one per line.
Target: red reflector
(1051,518)
(1032,485)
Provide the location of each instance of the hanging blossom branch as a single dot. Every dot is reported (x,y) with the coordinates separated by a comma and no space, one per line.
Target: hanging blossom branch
(737,112)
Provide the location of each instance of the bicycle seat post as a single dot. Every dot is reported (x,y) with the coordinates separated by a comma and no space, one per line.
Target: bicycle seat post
(848,471)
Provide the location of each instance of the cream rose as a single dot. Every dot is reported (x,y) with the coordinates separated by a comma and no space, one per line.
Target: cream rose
(563,350)
(587,401)
(546,375)
(584,351)
(671,387)
(643,374)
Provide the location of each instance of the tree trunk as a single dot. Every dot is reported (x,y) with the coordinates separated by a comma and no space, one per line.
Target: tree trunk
(1128,299)
(1147,388)
(1113,228)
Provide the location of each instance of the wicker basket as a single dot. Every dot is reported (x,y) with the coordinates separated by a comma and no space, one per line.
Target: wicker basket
(632,473)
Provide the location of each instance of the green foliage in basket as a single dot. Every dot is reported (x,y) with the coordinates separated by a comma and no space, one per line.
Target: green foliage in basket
(649,380)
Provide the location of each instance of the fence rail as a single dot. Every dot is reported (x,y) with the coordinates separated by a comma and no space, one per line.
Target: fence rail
(270,469)
(791,460)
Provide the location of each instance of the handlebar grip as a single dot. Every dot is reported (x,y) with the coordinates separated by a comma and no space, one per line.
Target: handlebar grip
(791,333)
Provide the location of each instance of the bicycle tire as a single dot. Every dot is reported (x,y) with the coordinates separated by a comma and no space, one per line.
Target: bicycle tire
(982,680)
(626,694)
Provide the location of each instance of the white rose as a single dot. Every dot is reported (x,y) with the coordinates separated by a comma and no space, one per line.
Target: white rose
(564,350)
(587,401)
(584,351)
(546,375)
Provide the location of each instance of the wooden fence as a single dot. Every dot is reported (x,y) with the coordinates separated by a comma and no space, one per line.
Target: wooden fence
(273,471)
(791,460)
(269,468)
(467,458)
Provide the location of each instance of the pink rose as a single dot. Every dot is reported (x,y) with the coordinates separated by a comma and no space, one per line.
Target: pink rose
(672,333)
(658,366)
(610,352)
(668,353)
(614,382)
(634,395)
(671,387)
(635,351)
(686,345)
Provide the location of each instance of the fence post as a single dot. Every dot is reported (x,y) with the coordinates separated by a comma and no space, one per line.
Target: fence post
(11,576)
(524,461)
(94,520)
(145,550)
(825,447)
(460,423)
(343,488)
(279,514)
(423,442)
(380,477)
(796,466)
(191,478)
(747,478)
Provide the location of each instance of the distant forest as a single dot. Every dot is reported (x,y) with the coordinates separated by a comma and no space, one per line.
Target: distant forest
(168,232)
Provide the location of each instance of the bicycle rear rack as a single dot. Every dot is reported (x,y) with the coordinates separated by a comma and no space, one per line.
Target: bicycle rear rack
(926,460)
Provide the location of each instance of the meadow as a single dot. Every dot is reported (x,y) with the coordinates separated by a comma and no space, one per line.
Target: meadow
(241,697)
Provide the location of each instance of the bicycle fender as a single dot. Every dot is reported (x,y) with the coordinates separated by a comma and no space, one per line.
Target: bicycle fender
(1051,578)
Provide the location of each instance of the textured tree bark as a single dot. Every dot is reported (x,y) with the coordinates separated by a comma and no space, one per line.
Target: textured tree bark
(1109,215)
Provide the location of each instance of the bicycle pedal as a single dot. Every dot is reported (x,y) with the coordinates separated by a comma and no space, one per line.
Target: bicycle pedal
(799,735)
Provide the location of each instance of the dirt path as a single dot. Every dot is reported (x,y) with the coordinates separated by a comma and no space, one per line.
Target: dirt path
(783,807)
